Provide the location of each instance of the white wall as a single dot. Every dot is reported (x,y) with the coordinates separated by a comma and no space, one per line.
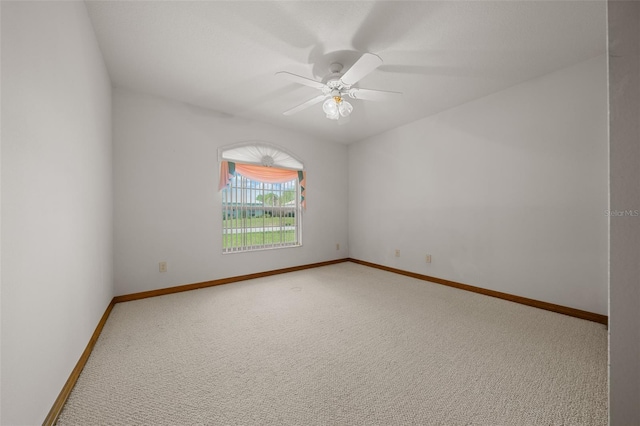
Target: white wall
(624,321)
(506,193)
(57,200)
(0,225)
(168,208)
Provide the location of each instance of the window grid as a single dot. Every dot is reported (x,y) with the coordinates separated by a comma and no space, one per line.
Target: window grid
(259,215)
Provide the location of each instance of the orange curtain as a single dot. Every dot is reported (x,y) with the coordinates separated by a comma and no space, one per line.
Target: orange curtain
(266,174)
(263,174)
(225,175)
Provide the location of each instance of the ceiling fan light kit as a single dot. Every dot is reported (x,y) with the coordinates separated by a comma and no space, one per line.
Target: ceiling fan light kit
(335,106)
(340,86)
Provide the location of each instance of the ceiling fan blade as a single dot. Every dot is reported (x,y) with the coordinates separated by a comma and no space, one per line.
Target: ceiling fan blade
(301,80)
(305,105)
(363,66)
(372,95)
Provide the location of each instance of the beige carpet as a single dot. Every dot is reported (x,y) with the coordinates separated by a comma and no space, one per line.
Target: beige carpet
(341,345)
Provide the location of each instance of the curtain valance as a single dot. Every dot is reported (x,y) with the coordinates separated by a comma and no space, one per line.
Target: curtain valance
(261,162)
(263,174)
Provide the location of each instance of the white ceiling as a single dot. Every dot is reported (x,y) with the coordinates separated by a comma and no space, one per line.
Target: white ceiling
(223,55)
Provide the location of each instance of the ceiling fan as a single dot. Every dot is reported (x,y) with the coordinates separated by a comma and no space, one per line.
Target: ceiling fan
(337,86)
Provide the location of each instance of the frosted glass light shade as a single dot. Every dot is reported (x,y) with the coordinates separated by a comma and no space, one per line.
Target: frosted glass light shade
(334,116)
(335,107)
(345,108)
(330,107)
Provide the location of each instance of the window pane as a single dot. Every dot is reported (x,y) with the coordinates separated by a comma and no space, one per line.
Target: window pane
(259,215)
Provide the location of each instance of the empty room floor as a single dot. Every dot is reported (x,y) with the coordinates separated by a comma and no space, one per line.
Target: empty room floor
(342,344)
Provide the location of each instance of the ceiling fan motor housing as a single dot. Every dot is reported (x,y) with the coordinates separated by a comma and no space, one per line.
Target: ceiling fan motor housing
(335,68)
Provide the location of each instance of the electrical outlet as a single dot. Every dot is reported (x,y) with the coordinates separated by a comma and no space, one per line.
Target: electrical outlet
(397,252)
(163,266)
(337,246)
(428,258)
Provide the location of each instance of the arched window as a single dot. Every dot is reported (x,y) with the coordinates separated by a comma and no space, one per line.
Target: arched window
(263,195)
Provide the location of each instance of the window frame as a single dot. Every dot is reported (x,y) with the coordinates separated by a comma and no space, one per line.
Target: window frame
(246,155)
(246,190)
